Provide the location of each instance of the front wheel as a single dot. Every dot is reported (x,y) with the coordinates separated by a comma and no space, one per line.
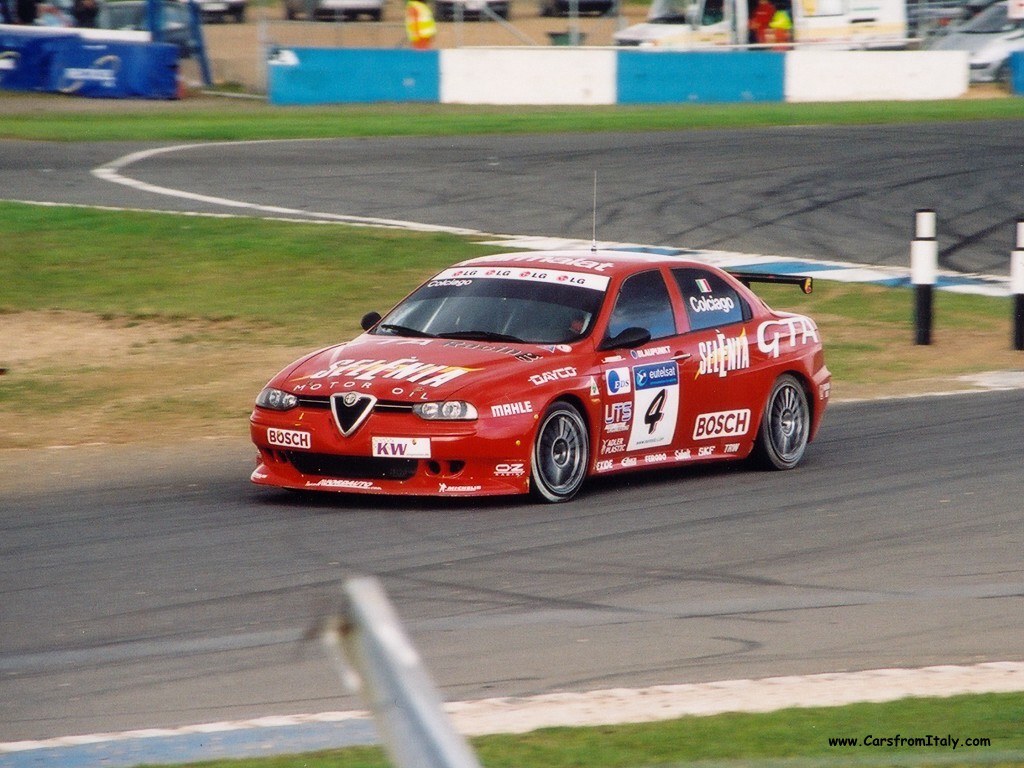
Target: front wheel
(785,425)
(561,454)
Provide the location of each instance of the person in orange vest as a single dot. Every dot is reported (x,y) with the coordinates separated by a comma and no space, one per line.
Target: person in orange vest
(419,24)
(760,19)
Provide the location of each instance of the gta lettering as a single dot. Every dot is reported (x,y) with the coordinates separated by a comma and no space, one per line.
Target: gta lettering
(559,373)
(404,369)
(723,354)
(772,334)
(710,426)
(512,409)
(288,438)
(712,304)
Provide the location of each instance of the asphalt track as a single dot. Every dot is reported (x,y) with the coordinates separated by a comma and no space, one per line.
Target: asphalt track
(846,193)
(158,588)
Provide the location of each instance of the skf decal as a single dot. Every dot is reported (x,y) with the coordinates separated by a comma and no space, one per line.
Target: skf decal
(796,330)
(722,354)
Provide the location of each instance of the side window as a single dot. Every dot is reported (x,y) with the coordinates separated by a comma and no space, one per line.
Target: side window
(643,302)
(710,301)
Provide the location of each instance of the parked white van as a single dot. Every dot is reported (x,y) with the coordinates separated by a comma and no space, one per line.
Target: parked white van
(839,24)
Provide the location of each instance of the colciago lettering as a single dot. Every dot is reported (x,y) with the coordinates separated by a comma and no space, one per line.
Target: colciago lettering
(712,304)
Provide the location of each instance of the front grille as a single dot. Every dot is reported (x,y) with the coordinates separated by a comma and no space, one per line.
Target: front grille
(352,467)
(381,406)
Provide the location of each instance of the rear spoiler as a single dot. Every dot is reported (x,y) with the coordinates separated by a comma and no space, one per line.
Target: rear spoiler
(806,283)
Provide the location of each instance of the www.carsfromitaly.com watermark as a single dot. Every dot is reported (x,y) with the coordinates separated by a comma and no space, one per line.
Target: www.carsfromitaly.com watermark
(901,741)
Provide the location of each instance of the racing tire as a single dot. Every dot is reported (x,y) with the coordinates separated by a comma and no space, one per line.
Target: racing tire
(561,455)
(785,425)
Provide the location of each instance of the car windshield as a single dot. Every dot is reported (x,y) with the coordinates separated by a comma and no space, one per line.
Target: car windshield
(466,304)
(669,11)
(992,21)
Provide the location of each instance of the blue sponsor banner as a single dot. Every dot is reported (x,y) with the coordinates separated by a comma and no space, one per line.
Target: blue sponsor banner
(347,76)
(64,62)
(674,77)
(25,58)
(116,70)
(1017,72)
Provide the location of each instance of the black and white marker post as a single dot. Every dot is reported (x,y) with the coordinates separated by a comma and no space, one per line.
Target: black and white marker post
(1017,288)
(924,265)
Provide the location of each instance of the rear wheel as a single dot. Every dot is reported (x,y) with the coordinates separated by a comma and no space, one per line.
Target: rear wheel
(561,454)
(785,425)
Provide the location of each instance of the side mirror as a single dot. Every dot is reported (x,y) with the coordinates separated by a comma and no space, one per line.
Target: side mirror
(369,320)
(628,338)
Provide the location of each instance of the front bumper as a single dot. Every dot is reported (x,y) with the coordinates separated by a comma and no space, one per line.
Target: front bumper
(392,454)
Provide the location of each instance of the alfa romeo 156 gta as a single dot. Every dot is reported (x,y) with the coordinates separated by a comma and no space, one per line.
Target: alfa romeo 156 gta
(531,372)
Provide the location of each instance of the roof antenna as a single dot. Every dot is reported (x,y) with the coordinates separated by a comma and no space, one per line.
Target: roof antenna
(593,246)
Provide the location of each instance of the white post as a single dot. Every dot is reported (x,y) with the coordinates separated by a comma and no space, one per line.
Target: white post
(1017,288)
(413,725)
(924,266)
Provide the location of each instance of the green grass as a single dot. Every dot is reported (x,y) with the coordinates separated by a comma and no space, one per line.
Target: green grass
(223,119)
(793,737)
(146,265)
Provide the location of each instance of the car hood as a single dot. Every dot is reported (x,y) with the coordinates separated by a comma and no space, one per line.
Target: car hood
(408,369)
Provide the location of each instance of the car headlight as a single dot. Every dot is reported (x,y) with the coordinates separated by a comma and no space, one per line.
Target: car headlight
(449,410)
(276,399)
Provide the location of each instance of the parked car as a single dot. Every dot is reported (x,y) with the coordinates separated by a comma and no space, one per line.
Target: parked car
(989,38)
(583,7)
(530,372)
(220,10)
(449,10)
(334,10)
(931,17)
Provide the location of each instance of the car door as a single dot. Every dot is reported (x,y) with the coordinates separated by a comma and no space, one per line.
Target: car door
(717,416)
(641,387)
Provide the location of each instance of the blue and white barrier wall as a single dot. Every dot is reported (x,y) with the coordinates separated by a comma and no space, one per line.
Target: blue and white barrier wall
(64,61)
(594,76)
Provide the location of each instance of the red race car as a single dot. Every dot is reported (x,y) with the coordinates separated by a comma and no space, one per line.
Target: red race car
(530,372)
